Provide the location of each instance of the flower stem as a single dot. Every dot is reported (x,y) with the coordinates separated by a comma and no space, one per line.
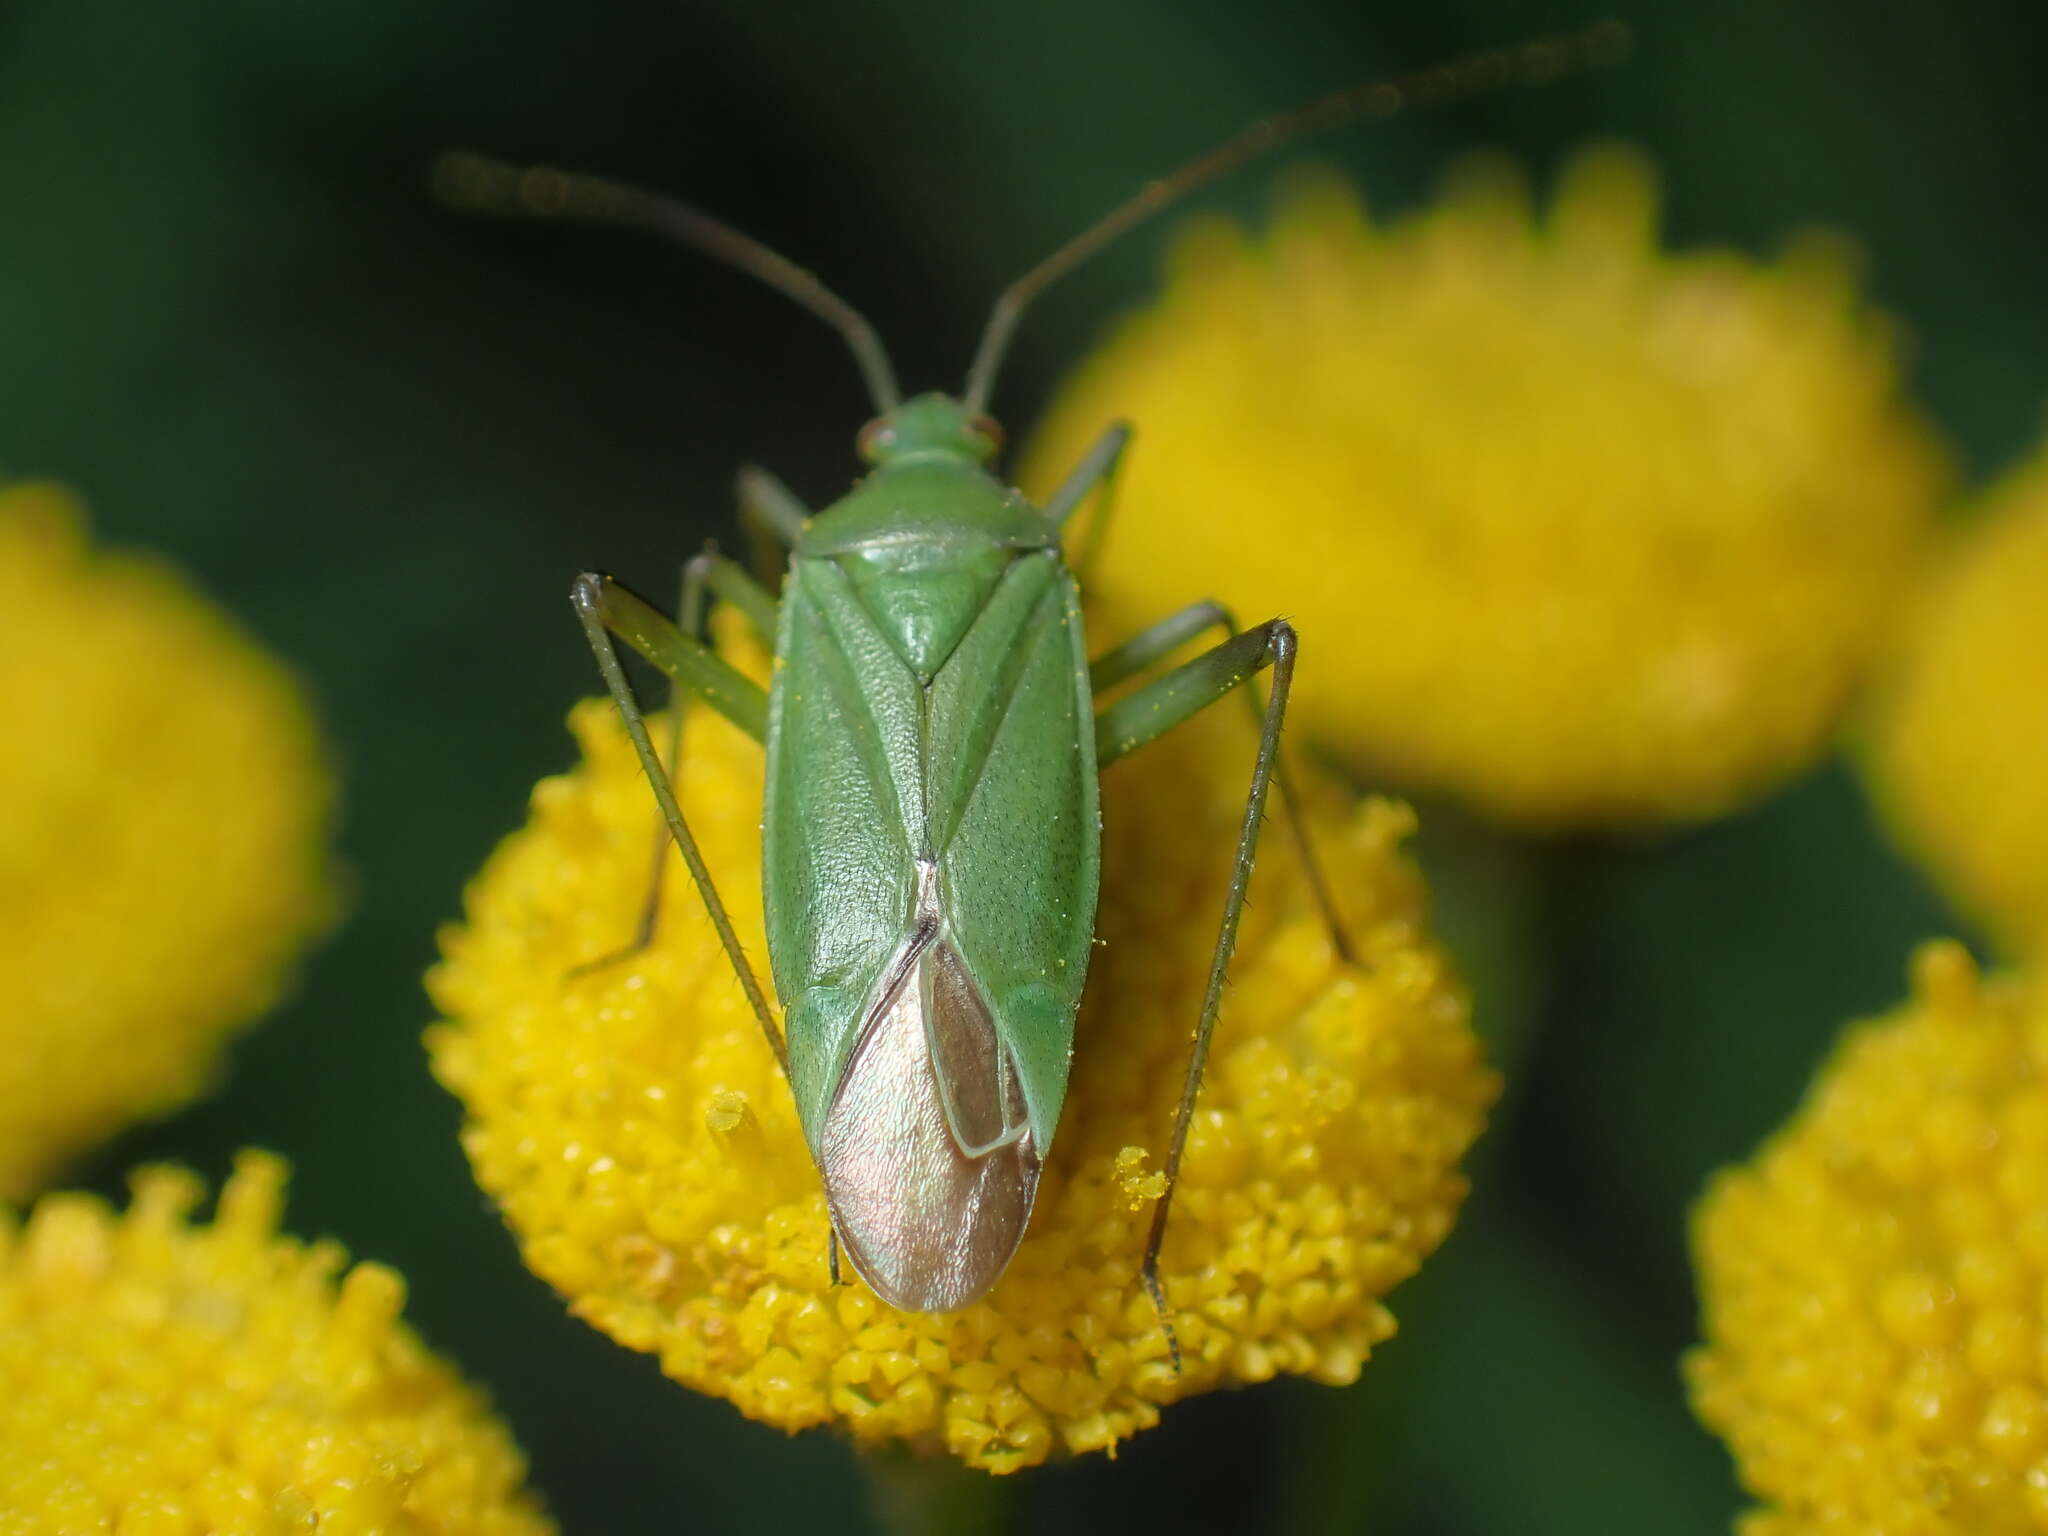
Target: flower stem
(935,1495)
(1490,898)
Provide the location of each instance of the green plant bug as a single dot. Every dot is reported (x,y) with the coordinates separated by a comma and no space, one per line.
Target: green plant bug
(930,837)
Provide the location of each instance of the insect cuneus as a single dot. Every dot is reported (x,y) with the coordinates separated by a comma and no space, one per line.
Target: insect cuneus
(931,837)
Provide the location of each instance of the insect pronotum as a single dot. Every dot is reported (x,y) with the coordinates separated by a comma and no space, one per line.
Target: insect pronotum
(930,832)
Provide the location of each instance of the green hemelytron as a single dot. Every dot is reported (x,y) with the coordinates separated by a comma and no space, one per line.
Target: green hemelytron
(929,854)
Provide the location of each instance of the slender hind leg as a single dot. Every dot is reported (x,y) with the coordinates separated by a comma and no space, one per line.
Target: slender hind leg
(1129,724)
(605,608)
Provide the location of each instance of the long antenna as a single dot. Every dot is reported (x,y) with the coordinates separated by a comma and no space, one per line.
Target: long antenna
(1535,63)
(481,185)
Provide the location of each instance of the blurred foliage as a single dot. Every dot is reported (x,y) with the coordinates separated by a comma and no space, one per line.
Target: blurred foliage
(386,437)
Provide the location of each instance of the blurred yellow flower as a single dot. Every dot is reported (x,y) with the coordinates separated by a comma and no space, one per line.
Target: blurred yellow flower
(1872,1281)
(1583,532)
(159,1378)
(634,1128)
(1960,759)
(163,810)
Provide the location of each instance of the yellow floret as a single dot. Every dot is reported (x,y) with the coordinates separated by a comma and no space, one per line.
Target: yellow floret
(159,1378)
(1961,751)
(163,842)
(1873,1280)
(633,1126)
(1585,533)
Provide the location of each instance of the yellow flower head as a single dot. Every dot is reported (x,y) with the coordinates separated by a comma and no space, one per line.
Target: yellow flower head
(1582,532)
(634,1128)
(162,836)
(1961,750)
(1873,1280)
(160,1378)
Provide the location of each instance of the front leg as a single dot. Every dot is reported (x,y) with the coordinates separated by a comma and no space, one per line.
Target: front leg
(772,516)
(1098,467)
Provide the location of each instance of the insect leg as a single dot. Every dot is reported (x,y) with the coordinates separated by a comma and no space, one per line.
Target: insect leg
(705,574)
(1163,639)
(724,578)
(605,608)
(771,514)
(1098,467)
(1129,724)
(690,619)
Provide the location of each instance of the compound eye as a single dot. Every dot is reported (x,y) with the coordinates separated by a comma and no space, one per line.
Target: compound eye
(876,439)
(988,428)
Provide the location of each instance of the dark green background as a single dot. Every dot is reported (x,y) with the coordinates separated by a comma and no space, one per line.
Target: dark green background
(386,436)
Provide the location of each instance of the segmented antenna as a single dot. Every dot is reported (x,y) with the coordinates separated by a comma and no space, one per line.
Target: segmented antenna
(1535,63)
(481,185)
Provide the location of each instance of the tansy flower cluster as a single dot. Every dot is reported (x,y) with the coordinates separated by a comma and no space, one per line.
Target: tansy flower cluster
(1584,533)
(634,1128)
(165,842)
(1873,1281)
(1960,754)
(165,1378)
(1581,532)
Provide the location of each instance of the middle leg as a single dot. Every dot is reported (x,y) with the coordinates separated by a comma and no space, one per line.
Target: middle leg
(705,575)
(1098,468)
